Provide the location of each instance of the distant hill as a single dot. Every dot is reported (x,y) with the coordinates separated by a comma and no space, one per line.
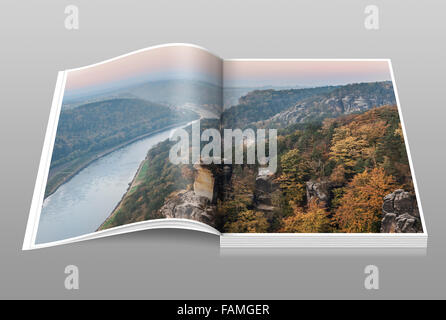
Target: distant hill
(352,98)
(231,95)
(180,93)
(273,108)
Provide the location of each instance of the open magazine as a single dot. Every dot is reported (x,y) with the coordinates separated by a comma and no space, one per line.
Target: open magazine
(263,153)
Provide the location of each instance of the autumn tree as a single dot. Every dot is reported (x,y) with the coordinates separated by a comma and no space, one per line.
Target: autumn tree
(312,220)
(248,221)
(372,132)
(358,139)
(360,207)
(338,175)
(347,148)
(399,132)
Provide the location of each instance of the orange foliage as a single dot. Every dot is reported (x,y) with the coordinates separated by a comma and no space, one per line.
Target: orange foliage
(360,208)
(358,139)
(248,221)
(338,175)
(313,220)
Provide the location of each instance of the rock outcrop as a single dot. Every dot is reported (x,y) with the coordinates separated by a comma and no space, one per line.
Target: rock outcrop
(188,205)
(319,190)
(197,204)
(264,187)
(400,213)
(204,182)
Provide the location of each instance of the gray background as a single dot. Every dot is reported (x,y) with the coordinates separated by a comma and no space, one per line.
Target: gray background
(181,264)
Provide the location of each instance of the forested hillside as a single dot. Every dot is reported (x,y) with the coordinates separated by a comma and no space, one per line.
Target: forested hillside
(332,177)
(87,131)
(274,109)
(263,104)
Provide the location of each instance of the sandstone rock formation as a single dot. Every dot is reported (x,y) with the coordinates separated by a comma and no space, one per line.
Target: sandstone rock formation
(400,213)
(264,186)
(188,205)
(197,204)
(319,190)
(204,182)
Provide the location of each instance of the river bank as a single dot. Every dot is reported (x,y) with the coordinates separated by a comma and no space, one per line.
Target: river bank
(118,205)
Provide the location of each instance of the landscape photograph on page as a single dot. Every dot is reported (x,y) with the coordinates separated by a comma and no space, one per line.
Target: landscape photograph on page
(175,137)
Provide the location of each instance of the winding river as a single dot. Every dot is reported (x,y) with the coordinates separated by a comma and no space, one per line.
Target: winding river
(81,205)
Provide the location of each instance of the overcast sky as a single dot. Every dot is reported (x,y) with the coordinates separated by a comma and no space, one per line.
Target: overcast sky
(162,63)
(189,62)
(305,73)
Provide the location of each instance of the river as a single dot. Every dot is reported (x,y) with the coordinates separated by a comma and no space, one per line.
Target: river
(82,204)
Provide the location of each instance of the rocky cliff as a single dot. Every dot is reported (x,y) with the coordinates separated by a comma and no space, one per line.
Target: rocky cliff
(204,182)
(319,190)
(188,205)
(196,204)
(400,213)
(343,100)
(264,187)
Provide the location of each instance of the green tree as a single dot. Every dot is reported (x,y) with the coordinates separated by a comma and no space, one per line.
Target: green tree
(295,171)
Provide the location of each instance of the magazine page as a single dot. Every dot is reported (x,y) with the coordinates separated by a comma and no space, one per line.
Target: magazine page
(328,150)
(113,128)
